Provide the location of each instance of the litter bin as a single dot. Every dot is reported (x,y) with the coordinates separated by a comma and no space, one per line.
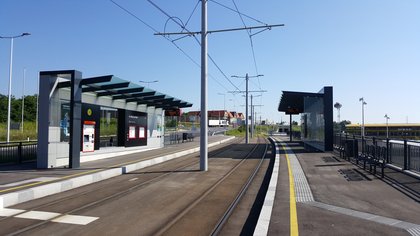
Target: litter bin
(349,148)
(184,137)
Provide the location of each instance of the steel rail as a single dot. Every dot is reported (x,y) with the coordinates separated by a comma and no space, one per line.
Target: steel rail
(238,198)
(115,195)
(169,224)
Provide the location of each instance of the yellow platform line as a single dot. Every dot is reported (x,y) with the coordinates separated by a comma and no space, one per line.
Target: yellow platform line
(294,229)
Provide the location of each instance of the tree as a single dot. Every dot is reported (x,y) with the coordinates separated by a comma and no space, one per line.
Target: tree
(341,126)
(3,108)
(16,108)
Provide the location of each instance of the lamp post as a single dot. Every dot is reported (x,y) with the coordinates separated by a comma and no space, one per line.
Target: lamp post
(386,119)
(224,100)
(23,96)
(224,106)
(363,116)
(148,82)
(10,79)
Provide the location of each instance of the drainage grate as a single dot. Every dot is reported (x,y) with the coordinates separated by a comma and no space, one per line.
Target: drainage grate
(330,159)
(352,175)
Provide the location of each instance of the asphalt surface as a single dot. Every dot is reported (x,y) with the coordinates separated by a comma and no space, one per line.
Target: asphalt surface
(10,174)
(367,194)
(167,199)
(160,199)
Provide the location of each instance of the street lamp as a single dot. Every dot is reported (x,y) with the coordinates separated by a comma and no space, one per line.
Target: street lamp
(234,104)
(224,100)
(224,106)
(148,82)
(387,118)
(23,97)
(363,116)
(10,79)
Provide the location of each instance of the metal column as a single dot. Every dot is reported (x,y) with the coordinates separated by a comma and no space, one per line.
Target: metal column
(204,115)
(290,129)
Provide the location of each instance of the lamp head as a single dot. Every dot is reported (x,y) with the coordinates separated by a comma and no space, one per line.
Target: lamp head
(26,34)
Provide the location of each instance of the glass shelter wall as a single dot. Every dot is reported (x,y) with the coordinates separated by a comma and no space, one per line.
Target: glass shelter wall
(108,127)
(59,122)
(313,123)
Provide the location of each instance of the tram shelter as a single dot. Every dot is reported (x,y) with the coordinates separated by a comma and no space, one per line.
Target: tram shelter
(316,110)
(78,115)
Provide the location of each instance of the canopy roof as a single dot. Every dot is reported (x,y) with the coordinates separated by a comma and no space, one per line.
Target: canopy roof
(293,102)
(117,88)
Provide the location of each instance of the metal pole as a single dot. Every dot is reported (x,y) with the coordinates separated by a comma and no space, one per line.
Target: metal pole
(252,118)
(255,121)
(290,131)
(363,118)
(23,96)
(10,90)
(362,128)
(339,120)
(204,115)
(246,110)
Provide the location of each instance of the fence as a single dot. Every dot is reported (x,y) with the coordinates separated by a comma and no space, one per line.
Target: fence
(177,137)
(401,153)
(18,152)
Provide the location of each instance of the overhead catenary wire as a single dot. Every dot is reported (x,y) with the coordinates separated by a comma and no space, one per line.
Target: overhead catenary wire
(250,41)
(198,41)
(242,14)
(192,13)
(167,38)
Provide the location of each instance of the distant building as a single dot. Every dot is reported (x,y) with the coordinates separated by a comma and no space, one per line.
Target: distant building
(236,119)
(217,117)
(401,131)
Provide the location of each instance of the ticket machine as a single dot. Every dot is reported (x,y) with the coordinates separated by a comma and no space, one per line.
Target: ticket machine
(88,136)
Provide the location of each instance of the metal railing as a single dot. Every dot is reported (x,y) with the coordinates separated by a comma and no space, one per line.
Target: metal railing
(18,152)
(401,153)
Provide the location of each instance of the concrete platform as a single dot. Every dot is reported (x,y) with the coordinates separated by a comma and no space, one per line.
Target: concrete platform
(21,183)
(334,197)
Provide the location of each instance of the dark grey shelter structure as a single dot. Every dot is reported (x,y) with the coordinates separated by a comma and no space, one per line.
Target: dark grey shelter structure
(316,110)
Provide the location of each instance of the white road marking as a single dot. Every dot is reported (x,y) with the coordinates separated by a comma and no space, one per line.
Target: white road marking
(261,229)
(44,215)
(40,179)
(38,215)
(73,219)
(133,179)
(9,212)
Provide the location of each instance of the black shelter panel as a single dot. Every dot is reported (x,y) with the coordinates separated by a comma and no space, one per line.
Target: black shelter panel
(132,127)
(91,112)
(316,111)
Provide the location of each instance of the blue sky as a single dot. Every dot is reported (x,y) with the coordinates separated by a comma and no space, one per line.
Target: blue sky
(368,48)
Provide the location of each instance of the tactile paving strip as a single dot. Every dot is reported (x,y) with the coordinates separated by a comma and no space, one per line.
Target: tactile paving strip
(302,190)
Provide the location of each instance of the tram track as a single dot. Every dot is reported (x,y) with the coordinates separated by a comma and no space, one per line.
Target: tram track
(227,212)
(104,200)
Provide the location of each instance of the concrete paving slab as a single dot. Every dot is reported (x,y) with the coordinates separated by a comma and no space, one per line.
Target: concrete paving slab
(70,179)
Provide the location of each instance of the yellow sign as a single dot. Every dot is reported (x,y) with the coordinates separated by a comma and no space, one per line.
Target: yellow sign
(89,112)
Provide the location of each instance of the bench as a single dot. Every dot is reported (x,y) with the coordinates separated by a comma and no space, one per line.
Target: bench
(374,156)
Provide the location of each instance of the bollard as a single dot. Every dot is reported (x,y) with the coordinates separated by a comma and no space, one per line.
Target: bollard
(20,153)
(405,155)
(387,150)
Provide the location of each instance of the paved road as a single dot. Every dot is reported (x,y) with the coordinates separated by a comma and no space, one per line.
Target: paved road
(143,202)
